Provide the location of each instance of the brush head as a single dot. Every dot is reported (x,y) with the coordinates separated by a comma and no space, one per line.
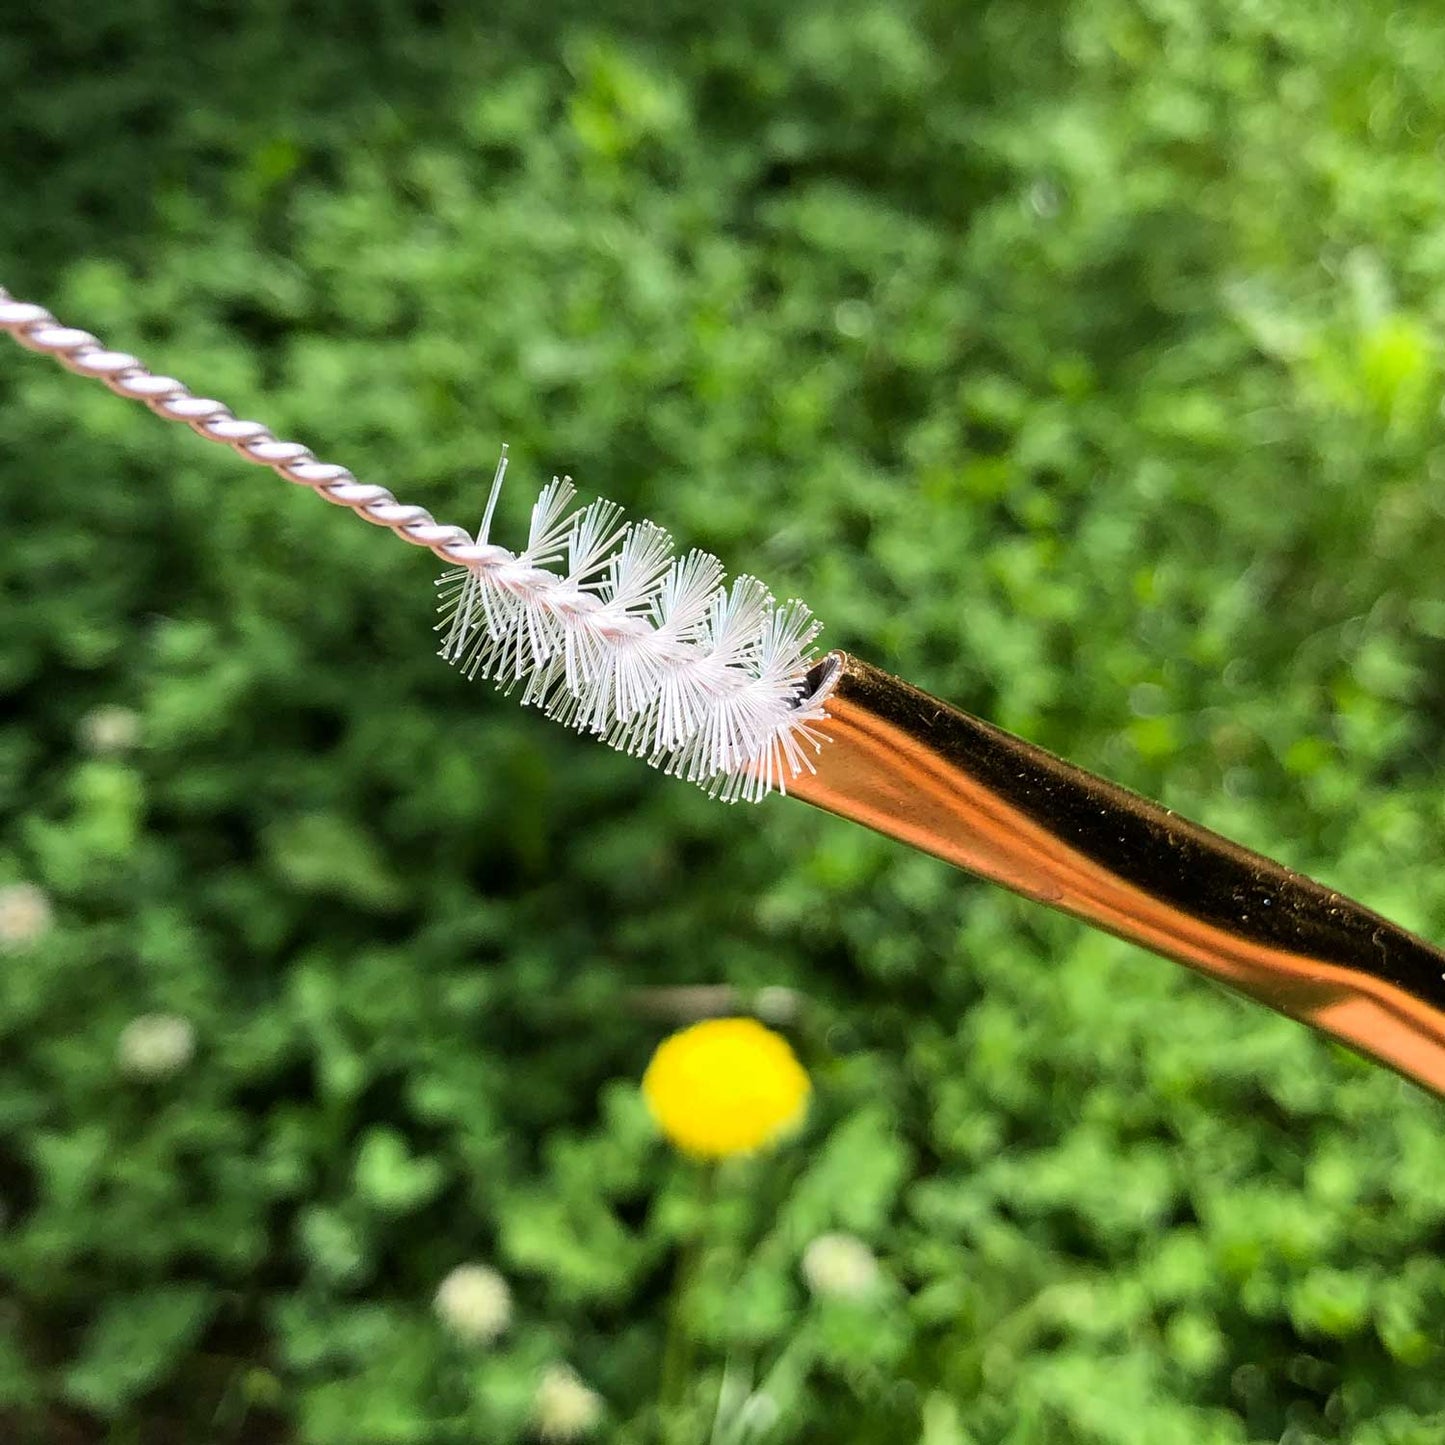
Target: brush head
(603,626)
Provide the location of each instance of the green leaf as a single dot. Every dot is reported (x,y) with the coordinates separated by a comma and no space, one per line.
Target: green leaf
(322,853)
(135,1343)
(391,1179)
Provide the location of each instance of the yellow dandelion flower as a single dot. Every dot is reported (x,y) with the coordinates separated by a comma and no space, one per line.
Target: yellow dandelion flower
(725,1086)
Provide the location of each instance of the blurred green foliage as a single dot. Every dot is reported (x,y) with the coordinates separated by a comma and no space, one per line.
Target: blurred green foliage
(1079,361)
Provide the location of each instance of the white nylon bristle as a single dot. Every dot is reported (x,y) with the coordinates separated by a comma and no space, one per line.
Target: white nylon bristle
(606,630)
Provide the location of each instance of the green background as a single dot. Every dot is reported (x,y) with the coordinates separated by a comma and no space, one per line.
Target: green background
(1079,362)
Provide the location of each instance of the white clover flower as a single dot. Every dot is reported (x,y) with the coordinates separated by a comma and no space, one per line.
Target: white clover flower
(777,1005)
(110,729)
(473,1301)
(155,1046)
(840,1266)
(25,916)
(565,1408)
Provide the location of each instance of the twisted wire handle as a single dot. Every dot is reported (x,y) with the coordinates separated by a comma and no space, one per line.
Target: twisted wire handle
(34,328)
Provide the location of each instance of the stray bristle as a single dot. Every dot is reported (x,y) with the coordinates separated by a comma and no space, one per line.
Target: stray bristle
(604,628)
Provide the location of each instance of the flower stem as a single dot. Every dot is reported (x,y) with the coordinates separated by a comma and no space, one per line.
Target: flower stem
(680,1347)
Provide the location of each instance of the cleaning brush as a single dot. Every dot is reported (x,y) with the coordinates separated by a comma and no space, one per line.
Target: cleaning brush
(604,626)
(644,649)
